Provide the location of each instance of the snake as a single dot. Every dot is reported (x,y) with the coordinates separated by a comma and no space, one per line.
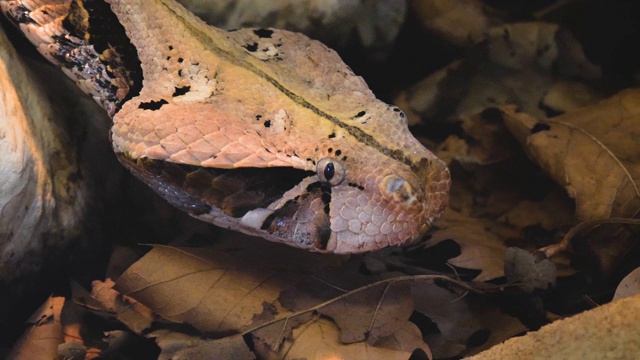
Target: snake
(259,130)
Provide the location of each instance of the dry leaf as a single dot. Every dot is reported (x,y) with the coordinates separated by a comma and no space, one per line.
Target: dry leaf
(460,317)
(210,289)
(516,64)
(537,213)
(480,248)
(373,314)
(133,314)
(44,334)
(486,140)
(319,339)
(590,153)
(178,346)
(461,22)
(629,286)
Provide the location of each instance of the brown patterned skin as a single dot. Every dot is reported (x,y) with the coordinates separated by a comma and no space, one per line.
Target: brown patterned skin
(252,99)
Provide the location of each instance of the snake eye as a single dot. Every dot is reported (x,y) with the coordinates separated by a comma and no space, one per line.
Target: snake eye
(330,171)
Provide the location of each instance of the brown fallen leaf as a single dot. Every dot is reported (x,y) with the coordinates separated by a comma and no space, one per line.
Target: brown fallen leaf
(216,289)
(210,290)
(486,140)
(590,152)
(178,346)
(460,317)
(480,248)
(461,22)
(517,63)
(319,339)
(371,315)
(133,314)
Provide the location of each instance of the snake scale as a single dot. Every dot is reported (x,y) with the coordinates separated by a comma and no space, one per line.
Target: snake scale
(262,131)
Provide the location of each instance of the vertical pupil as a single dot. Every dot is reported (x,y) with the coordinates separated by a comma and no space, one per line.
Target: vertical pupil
(329,171)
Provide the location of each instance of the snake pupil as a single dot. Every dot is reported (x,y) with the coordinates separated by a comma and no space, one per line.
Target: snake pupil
(329,171)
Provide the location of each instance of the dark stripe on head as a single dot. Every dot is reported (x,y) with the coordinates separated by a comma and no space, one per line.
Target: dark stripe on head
(353,130)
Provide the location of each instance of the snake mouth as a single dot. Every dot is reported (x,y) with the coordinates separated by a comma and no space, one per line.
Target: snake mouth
(197,190)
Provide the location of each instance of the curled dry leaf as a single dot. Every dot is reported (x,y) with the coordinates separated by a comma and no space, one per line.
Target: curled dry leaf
(591,152)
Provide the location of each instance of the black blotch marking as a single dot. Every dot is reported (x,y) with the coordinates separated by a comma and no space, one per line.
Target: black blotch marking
(315,185)
(359,187)
(492,115)
(258,117)
(344,158)
(22,15)
(338,152)
(152,105)
(540,127)
(399,111)
(330,150)
(251,47)
(267,123)
(180,59)
(181,91)
(106,32)
(324,233)
(326,197)
(263,33)
(332,135)
(360,114)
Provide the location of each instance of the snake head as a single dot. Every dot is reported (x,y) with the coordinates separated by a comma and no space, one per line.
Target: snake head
(357,196)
